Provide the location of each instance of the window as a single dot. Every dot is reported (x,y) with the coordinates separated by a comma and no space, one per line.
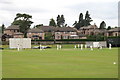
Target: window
(65,37)
(71,32)
(58,37)
(116,34)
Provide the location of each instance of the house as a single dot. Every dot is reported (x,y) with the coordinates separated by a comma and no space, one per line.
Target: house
(88,30)
(60,32)
(48,31)
(92,30)
(18,35)
(113,32)
(36,33)
(66,33)
(13,31)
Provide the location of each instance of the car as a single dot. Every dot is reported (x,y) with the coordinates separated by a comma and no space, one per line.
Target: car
(1,48)
(42,47)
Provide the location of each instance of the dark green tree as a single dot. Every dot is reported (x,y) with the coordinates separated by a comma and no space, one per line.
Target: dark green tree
(77,26)
(74,23)
(3,28)
(58,21)
(80,18)
(83,22)
(52,22)
(23,20)
(49,36)
(87,19)
(80,23)
(65,25)
(62,21)
(109,27)
(102,25)
(38,26)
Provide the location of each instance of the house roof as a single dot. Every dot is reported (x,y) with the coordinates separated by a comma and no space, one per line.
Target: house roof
(13,27)
(18,33)
(89,27)
(100,30)
(65,29)
(47,28)
(35,30)
(60,29)
(114,29)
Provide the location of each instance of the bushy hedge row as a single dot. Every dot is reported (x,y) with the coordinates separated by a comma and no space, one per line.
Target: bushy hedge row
(72,40)
(114,37)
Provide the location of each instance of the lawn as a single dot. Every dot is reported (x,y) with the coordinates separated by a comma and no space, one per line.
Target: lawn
(64,63)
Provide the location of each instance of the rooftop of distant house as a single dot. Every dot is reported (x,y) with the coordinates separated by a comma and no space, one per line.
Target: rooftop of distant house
(89,27)
(13,27)
(57,29)
(35,30)
(115,29)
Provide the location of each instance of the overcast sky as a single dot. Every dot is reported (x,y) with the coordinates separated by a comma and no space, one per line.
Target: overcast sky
(43,10)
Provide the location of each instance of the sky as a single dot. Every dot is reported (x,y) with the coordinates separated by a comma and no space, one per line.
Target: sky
(43,10)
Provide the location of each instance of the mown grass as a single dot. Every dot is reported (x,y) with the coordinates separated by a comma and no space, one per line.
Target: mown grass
(64,63)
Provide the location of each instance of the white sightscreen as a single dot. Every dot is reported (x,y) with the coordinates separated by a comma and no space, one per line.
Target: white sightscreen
(21,42)
(96,44)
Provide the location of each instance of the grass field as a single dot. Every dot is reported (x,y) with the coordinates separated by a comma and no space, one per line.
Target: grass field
(64,63)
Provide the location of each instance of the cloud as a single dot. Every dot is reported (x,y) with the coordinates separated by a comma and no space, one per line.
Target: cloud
(119,13)
(43,10)
(107,11)
(5,2)
(14,8)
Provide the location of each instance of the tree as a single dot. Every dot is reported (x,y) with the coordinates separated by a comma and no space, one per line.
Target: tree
(23,20)
(49,36)
(65,25)
(3,28)
(83,22)
(80,23)
(75,23)
(87,19)
(38,26)
(80,18)
(58,20)
(52,22)
(77,26)
(62,20)
(102,25)
(109,27)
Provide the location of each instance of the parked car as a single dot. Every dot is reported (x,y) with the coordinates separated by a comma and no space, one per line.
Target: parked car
(42,47)
(1,48)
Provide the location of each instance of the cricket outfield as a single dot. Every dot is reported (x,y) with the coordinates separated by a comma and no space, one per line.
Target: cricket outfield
(64,63)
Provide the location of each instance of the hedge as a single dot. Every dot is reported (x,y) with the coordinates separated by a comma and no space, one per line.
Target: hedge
(114,37)
(72,40)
